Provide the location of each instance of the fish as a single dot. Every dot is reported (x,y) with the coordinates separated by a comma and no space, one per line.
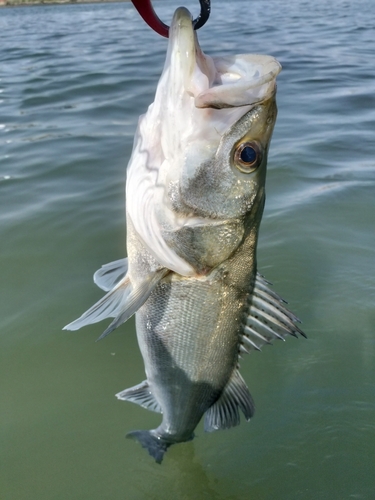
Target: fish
(195,194)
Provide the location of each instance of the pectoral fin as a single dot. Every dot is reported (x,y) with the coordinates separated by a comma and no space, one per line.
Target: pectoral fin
(224,413)
(109,275)
(120,303)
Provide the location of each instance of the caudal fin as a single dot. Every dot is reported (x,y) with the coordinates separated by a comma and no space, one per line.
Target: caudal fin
(153,444)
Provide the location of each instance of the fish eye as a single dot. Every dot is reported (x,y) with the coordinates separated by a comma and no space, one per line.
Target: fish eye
(247,157)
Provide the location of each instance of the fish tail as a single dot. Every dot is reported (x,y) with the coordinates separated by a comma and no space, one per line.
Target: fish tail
(155,445)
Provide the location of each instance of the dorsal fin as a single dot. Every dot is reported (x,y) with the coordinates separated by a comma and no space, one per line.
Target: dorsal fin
(141,395)
(224,413)
(267,318)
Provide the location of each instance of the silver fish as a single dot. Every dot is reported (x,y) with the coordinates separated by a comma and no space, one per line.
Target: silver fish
(195,195)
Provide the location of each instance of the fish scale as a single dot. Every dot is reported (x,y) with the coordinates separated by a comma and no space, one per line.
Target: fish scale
(190,350)
(195,194)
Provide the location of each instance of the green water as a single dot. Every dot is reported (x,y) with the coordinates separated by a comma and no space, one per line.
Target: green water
(73,81)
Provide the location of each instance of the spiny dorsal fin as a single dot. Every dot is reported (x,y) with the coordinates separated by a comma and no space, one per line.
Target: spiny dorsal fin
(141,395)
(224,413)
(109,275)
(267,317)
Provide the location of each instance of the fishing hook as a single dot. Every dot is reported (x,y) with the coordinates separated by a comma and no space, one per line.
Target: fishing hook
(146,10)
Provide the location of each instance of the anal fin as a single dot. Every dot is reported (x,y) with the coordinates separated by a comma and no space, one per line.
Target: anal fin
(141,395)
(224,414)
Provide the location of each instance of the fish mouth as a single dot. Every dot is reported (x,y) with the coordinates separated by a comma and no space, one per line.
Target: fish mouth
(217,82)
(190,70)
(182,39)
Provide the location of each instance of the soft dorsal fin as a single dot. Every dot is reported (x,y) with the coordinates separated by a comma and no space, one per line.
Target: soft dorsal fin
(267,318)
(224,413)
(109,275)
(141,395)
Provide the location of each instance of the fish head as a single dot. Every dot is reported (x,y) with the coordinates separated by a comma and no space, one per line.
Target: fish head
(226,185)
(197,173)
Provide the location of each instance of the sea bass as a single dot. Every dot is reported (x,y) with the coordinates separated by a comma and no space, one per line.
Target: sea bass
(194,200)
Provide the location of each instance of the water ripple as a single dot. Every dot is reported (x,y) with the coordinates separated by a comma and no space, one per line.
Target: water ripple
(73,81)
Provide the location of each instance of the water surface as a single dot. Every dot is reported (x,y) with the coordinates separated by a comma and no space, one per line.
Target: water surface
(73,81)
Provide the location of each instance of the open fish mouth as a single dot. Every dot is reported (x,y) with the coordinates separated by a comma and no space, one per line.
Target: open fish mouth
(217,82)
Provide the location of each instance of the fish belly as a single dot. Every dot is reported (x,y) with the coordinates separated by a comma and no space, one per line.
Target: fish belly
(188,332)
